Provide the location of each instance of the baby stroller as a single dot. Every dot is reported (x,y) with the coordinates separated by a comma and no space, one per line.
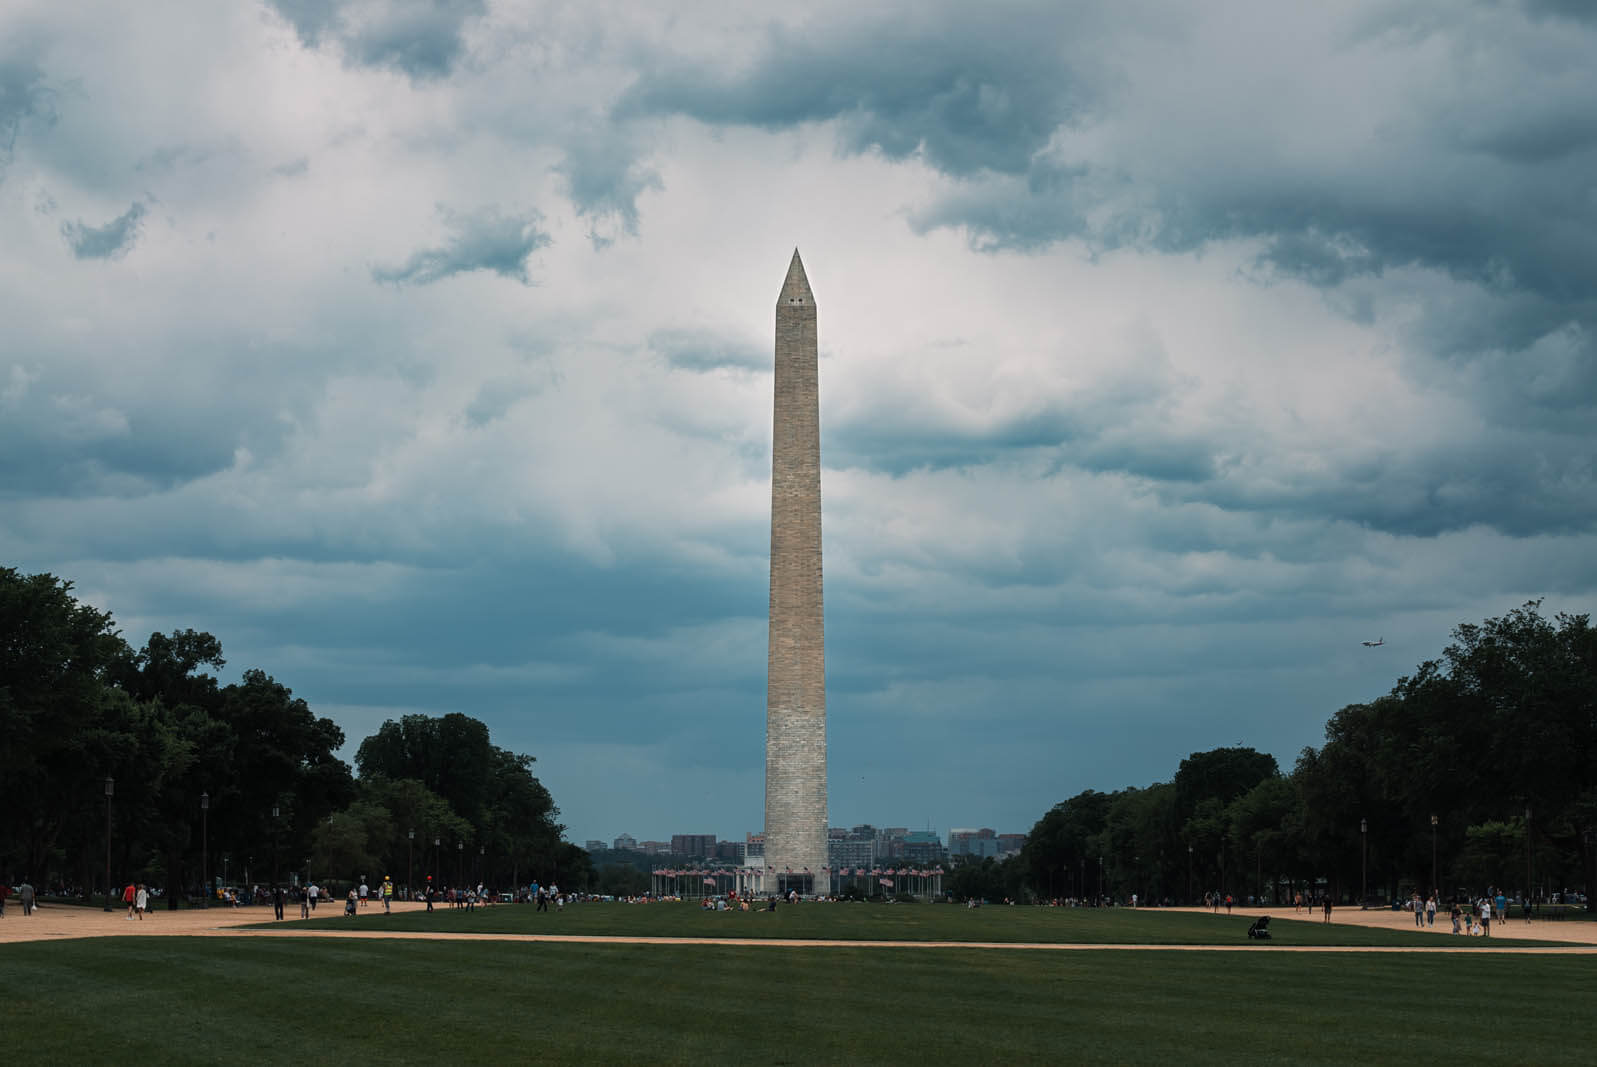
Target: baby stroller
(1260,930)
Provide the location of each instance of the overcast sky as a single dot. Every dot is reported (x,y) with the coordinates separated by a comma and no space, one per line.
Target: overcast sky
(420,350)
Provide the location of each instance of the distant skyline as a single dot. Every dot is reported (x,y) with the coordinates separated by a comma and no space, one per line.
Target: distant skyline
(420,350)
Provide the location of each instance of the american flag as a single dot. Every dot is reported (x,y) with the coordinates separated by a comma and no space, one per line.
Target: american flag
(888,882)
(709,881)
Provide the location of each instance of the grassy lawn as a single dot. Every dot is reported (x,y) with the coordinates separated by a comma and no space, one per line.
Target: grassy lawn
(893,922)
(205,1000)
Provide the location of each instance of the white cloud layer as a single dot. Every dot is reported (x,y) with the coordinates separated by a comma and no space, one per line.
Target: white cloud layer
(420,351)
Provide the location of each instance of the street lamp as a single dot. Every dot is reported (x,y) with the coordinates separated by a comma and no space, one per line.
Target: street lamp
(410,850)
(1528,879)
(1436,887)
(1189,872)
(482,852)
(1100,880)
(1590,837)
(205,846)
(460,864)
(438,875)
(110,789)
(274,846)
(1364,860)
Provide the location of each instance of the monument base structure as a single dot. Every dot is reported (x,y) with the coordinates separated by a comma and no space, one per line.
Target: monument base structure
(795,707)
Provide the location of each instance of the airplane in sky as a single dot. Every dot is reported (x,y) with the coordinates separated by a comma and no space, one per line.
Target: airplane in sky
(1375,644)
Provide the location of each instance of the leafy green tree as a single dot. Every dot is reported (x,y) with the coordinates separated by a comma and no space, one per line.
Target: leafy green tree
(55,657)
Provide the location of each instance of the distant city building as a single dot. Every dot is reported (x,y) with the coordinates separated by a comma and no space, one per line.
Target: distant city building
(730,850)
(593,845)
(655,848)
(846,853)
(1008,844)
(983,842)
(922,846)
(753,846)
(626,841)
(890,842)
(693,844)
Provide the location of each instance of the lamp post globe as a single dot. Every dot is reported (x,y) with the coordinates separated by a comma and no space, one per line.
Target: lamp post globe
(1435,886)
(110,790)
(1364,860)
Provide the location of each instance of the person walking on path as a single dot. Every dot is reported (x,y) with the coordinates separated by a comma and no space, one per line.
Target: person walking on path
(1430,910)
(1456,916)
(304,905)
(1486,916)
(313,892)
(363,890)
(1325,903)
(388,893)
(25,895)
(141,901)
(277,902)
(5,891)
(130,897)
(428,894)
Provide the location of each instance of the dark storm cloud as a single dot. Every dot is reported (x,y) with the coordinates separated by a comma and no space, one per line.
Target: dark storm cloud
(479,240)
(1580,10)
(111,241)
(980,98)
(23,96)
(967,90)
(1520,486)
(422,38)
(604,180)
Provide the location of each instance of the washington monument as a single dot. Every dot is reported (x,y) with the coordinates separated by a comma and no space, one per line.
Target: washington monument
(795,700)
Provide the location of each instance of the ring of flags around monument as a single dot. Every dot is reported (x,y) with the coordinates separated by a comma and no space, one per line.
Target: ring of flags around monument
(763,881)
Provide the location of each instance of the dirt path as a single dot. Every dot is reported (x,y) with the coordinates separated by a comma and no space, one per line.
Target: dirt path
(59,923)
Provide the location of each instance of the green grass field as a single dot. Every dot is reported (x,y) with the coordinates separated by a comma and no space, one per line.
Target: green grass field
(895,922)
(206,1000)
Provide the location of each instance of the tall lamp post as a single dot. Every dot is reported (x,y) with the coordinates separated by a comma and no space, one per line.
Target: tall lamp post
(274,846)
(1364,861)
(460,864)
(1528,879)
(437,861)
(110,789)
(1436,887)
(1189,872)
(1100,879)
(205,847)
(1590,836)
(410,858)
(482,853)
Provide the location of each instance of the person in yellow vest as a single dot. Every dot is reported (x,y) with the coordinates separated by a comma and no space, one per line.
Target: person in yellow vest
(388,892)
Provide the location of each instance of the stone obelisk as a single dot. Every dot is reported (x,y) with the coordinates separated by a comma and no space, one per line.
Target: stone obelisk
(795,701)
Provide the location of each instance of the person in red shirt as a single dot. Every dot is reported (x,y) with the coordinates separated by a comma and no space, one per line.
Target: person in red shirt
(128,896)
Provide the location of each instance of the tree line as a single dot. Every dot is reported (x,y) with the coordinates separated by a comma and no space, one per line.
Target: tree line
(1479,769)
(142,761)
